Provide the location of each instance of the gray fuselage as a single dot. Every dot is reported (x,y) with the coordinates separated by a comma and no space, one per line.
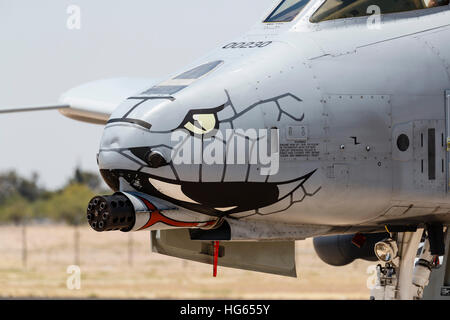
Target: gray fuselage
(361,116)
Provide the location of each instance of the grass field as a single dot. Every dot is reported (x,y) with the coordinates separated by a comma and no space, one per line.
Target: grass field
(107,271)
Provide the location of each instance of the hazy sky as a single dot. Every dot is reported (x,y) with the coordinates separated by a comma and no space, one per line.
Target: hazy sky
(40,58)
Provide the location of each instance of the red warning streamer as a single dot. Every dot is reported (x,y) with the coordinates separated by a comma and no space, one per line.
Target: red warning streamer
(216,257)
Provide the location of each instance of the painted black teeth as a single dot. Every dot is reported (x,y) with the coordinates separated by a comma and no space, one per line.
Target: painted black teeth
(108,213)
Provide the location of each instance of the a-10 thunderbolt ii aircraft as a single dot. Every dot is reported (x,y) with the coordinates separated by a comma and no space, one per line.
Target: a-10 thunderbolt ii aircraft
(328,119)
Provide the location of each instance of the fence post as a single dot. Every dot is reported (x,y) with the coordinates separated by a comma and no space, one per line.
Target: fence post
(24,244)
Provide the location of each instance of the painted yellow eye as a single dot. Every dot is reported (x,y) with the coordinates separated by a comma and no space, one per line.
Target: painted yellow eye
(207,123)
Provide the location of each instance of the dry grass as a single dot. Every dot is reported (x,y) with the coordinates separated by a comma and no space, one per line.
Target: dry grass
(106,272)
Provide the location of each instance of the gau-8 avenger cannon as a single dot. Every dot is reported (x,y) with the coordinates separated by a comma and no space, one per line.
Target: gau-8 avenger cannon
(329,119)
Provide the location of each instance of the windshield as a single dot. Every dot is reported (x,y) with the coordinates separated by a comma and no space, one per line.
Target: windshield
(287,10)
(339,9)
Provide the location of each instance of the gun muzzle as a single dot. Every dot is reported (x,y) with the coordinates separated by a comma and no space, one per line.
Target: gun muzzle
(108,213)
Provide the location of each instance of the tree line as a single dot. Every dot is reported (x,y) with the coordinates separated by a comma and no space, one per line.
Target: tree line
(22,199)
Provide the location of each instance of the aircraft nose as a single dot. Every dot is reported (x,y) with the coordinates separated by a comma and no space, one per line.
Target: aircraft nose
(113,148)
(130,148)
(111,139)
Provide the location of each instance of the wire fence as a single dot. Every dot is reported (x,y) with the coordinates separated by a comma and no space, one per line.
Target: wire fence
(121,265)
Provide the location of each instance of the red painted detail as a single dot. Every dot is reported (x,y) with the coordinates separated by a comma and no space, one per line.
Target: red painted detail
(216,257)
(359,240)
(156,216)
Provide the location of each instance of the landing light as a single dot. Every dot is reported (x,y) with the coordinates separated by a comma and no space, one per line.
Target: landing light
(386,250)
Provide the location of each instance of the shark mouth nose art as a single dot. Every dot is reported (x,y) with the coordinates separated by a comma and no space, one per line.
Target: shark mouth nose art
(155,171)
(221,198)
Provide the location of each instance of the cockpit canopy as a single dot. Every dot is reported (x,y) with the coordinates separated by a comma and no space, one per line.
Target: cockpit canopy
(339,9)
(287,10)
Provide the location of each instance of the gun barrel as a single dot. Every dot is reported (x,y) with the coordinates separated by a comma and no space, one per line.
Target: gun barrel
(108,213)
